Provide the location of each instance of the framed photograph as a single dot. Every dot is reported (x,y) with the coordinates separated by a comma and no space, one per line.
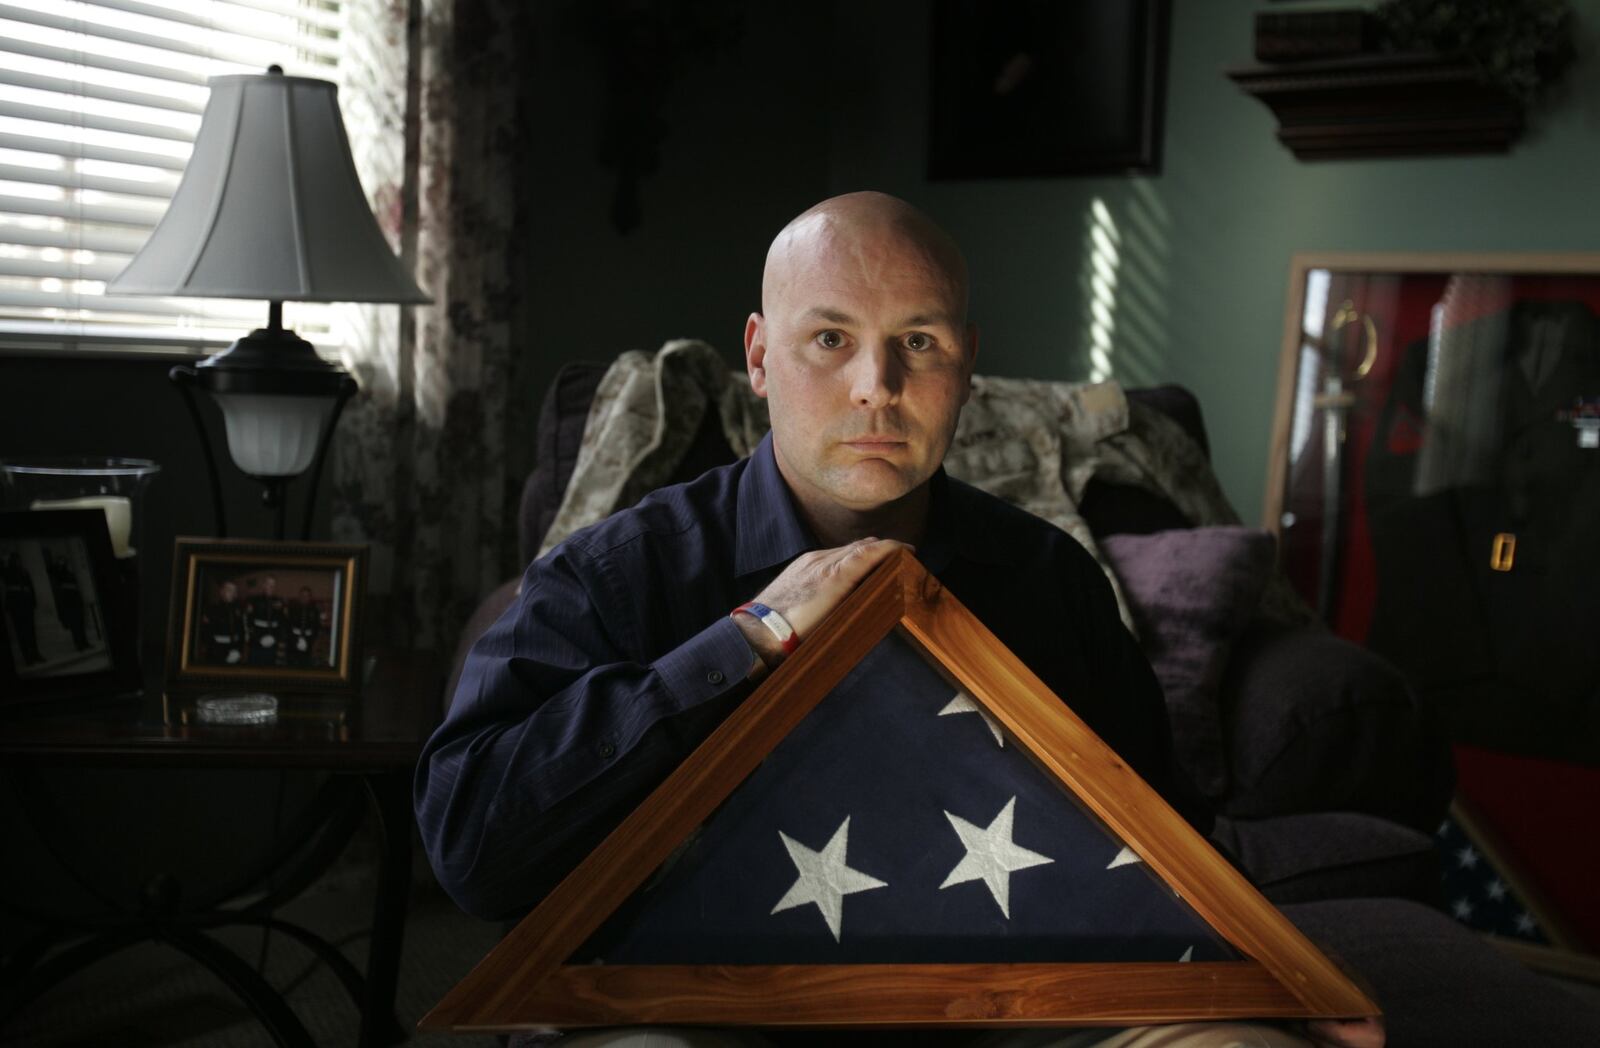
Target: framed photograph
(66,632)
(1040,90)
(265,615)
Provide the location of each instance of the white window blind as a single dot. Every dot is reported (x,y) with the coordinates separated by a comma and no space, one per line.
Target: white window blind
(99,104)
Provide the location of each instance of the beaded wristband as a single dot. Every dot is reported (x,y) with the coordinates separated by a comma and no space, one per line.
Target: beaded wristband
(788,639)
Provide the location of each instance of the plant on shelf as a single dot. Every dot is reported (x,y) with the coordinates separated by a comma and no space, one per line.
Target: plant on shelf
(1521,46)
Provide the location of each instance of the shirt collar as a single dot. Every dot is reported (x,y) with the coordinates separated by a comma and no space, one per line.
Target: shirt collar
(957,527)
(769,527)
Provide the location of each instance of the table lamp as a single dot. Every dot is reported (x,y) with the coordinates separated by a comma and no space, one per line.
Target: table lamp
(270,207)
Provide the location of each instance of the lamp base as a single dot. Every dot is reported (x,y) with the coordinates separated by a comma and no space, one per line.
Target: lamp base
(280,403)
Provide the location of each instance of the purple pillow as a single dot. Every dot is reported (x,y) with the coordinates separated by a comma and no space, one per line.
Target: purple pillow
(1192,591)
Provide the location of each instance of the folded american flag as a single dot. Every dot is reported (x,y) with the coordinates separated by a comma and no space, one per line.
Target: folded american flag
(897,824)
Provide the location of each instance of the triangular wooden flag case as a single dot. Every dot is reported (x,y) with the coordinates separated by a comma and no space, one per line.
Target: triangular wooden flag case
(534,979)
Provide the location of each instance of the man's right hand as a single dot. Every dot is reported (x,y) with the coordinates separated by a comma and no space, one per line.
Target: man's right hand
(810,587)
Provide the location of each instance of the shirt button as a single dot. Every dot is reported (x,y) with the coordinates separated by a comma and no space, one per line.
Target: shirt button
(607,750)
(715,677)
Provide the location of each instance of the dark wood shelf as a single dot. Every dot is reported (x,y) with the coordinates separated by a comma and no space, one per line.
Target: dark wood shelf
(1383,105)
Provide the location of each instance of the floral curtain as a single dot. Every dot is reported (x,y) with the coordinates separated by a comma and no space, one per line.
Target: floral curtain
(418,464)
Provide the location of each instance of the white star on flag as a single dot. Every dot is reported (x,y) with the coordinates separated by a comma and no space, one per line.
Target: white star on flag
(1126,857)
(991,856)
(964,703)
(824,878)
(1497,889)
(1466,858)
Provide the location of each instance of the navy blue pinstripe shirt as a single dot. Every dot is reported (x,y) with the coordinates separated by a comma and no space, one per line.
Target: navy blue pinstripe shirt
(618,658)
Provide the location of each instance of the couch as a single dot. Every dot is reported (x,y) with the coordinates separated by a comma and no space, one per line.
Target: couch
(1327,774)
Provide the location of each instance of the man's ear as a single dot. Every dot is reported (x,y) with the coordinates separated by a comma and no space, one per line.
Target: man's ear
(971,361)
(755,352)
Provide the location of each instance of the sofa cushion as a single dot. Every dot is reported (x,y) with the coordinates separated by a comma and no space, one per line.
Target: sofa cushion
(1331,855)
(1192,591)
(1179,404)
(1316,723)
(1124,509)
(556,439)
(1440,984)
(1112,508)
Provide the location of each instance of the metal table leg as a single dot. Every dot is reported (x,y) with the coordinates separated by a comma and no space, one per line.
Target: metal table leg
(390,795)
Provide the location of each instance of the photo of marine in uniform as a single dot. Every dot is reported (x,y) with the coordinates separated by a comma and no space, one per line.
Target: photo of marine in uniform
(54,616)
(247,616)
(222,628)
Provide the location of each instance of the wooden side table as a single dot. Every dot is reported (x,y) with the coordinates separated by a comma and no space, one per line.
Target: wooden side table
(369,743)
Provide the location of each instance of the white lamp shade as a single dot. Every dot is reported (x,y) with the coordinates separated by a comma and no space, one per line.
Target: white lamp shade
(271,435)
(270,206)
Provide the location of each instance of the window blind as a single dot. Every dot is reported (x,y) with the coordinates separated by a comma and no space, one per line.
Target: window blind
(99,104)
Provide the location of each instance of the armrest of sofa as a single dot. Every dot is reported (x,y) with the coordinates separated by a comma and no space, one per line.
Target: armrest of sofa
(1332,855)
(493,606)
(1439,983)
(1316,723)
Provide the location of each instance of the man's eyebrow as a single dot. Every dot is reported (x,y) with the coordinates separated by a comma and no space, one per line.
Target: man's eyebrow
(927,320)
(832,316)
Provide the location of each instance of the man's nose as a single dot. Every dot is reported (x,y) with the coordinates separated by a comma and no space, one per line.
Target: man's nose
(874,376)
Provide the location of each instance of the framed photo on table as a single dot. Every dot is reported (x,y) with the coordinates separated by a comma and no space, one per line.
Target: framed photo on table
(278,616)
(65,628)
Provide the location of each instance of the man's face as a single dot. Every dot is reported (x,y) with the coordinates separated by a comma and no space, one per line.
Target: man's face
(865,358)
(270,584)
(229,592)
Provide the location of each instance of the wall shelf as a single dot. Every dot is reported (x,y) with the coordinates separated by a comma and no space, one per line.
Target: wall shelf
(1383,105)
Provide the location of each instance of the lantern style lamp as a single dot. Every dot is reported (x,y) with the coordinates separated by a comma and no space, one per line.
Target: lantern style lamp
(270,207)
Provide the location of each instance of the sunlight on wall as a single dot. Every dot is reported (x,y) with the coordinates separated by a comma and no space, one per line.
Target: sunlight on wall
(1124,288)
(1101,240)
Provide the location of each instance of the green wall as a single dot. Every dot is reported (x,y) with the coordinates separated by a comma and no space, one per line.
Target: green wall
(1203,249)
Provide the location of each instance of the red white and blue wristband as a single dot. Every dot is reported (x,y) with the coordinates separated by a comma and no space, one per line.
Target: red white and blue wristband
(788,639)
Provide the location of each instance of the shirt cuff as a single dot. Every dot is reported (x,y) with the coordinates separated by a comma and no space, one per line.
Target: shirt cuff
(711,663)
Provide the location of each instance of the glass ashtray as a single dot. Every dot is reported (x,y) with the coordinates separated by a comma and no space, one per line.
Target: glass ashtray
(256,708)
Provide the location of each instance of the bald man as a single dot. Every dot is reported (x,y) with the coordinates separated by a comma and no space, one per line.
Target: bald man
(634,638)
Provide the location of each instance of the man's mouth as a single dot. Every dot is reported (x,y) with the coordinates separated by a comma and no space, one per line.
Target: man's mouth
(871,443)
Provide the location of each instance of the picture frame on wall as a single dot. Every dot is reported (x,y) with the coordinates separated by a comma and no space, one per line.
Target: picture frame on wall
(1045,90)
(64,609)
(274,616)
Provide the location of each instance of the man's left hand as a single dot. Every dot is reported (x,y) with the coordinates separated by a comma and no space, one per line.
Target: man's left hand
(810,587)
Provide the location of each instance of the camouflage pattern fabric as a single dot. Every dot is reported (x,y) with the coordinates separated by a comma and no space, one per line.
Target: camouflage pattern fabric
(1035,444)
